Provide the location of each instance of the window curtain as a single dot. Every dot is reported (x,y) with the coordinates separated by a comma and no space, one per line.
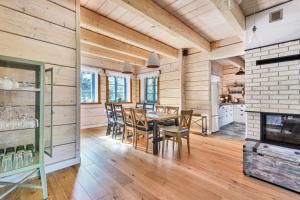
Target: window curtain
(91,69)
(117,74)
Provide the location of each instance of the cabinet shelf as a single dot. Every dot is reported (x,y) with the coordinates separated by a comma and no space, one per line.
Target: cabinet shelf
(22,90)
(34,165)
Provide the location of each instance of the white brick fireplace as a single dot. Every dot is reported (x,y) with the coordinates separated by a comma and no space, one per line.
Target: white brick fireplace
(273,88)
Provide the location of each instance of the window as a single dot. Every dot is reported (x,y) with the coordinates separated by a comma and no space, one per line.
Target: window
(90,84)
(151,90)
(119,89)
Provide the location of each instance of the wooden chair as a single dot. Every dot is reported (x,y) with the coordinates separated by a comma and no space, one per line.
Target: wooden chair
(161,109)
(119,120)
(170,110)
(129,121)
(143,128)
(179,132)
(139,105)
(110,118)
(149,107)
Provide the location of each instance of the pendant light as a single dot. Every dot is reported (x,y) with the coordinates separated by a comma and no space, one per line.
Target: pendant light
(240,72)
(126,68)
(153,61)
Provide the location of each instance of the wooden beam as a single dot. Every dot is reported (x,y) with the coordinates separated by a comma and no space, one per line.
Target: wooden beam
(162,18)
(234,17)
(96,39)
(104,53)
(105,26)
(237,49)
(225,42)
(237,62)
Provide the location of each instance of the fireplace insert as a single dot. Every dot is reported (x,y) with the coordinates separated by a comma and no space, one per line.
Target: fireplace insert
(281,129)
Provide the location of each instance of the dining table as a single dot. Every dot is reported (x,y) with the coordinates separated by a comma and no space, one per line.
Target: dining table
(157,117)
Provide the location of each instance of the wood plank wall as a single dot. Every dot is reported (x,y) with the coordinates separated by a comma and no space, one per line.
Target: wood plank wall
(94,115)
(44,30)
(197,74)
(169,81)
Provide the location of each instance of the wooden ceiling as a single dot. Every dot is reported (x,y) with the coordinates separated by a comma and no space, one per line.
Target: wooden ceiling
(251,6)
(130,29)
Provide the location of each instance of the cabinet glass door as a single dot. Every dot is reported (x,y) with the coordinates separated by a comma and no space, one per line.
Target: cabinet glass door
(49,112)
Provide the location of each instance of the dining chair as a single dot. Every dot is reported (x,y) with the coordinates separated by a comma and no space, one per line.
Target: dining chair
(160,109)
(176,133)
(149,107)
(139,105)
(143,128)
(110,119)
(129,122)
(119,120)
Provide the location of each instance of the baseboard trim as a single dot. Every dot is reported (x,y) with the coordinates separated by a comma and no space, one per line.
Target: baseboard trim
(62,165)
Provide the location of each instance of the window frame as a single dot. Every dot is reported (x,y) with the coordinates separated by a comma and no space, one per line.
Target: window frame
(155,89)
(99,91)
(115,90)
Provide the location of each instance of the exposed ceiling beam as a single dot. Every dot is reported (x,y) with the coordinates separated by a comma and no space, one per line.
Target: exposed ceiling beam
(237,62)
(225,42)
(105,26)
(237,49)
(104,53)
(162,18)
(234,17)
(96,39)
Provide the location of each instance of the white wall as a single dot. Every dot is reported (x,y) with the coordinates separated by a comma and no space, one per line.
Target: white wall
(275,32)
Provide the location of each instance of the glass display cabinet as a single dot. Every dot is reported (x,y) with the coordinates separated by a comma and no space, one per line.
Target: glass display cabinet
(26,119)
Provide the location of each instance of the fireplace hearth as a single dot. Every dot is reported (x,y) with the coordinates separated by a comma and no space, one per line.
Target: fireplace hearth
(280,129)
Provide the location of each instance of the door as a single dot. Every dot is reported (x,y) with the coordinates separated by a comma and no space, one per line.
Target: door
(48,137)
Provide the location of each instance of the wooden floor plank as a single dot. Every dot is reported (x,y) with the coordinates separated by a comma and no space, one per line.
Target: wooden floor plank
(114,170)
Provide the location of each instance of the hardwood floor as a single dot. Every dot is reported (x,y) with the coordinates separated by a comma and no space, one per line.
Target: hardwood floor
(112,170)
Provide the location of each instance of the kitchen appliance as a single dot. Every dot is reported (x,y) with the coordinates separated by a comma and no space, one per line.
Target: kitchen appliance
(215,103)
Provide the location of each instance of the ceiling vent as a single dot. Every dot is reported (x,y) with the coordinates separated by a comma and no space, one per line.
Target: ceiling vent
(275,16)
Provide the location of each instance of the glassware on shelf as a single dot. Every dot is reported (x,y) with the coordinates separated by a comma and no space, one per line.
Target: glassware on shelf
(7,84)
(7,162)
(18,161)
(28,157)
(12,118)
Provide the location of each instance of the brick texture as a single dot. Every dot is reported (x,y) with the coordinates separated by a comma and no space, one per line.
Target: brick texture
(273,87)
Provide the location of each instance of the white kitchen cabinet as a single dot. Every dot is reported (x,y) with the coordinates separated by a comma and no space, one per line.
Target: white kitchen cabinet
(231,113)
(239,113)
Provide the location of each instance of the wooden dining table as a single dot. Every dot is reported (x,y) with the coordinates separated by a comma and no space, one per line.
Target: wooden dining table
(157,117)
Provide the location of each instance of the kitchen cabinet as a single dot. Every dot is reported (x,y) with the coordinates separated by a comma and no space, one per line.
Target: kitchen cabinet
(239,113)
(231,113)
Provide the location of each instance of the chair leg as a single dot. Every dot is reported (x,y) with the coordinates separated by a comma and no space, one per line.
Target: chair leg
(147,142)
(173,143)
(188,144)
(124,134)
(179,145)
(108,129)
(163,144)
(136,138)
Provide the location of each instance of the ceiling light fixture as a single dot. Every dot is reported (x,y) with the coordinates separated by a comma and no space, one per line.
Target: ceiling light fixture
(126,68)
(153,61)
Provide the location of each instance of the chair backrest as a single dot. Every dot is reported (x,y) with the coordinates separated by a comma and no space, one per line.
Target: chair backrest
(172,110)
(118,112)
(149,106)
(139,105)
(109,111)
(185,119)
(141,118)
(161,109)
(129,118)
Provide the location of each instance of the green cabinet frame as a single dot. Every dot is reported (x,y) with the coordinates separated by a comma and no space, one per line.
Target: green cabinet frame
(38,166)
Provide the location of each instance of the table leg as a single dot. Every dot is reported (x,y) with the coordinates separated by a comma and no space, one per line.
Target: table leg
(155,137)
